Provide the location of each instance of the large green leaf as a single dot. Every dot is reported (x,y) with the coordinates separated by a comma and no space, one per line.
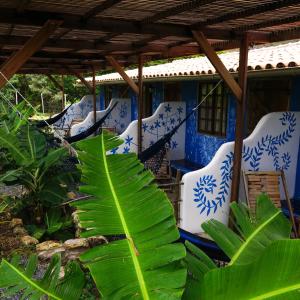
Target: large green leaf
(143,263)
(255,232)
(275,275)
(11,142)
(15,280)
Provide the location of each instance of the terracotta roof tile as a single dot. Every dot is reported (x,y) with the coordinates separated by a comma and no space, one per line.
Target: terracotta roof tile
(261,58)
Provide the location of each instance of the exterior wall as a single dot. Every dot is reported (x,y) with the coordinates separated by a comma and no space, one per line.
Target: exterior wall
(201,148)
(164,119)
(273,145)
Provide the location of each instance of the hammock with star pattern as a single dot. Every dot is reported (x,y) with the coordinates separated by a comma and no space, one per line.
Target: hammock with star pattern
(52,120)
(90,130)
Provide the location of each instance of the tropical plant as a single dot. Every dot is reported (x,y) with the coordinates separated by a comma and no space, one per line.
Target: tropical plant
(38,166)
(144,262)
(22,280)
(263,242)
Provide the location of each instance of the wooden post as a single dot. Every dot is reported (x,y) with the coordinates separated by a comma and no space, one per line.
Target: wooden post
(63,93)
(16,61)
(94,96)
(239,124)
(122,73)
(140,104)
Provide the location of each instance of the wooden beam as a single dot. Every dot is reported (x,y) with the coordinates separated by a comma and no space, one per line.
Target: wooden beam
(244,13)
(109,25)
(100,8)
(15,62)
(22,6)
(217,63)
(56,83)
(240,120)
(177,10)
(140,104)
(94,96)
(81,78)
(122,73)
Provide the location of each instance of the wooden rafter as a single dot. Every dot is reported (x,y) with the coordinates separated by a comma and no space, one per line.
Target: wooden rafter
(56,83)
(37,18)
(15,62)
(177,10)
(217,63)
(269,23)
(100,8)
(258,9)
(22,6)
(81,78)
(118,68)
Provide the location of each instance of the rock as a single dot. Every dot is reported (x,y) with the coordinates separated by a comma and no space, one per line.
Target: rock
(61,272)
(47,245)
(97,240)
(16,222)
(47,254)
(18,230)
(28,240)
(76,243)
(73,254)
(71,195)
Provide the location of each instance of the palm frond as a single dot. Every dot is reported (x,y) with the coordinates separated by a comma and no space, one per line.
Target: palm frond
(274,275)
(144,263)
(256,232)
(14,279)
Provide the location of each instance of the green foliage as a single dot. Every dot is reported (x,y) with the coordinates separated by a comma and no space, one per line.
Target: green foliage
(274,275)
(32,86)
(143,263)
(16,279)
(34,163)
(263,242)
(255,232)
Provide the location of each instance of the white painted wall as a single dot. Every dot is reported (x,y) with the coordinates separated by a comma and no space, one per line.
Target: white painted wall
(78,110)
(119,118)
(165,118)
(273,145)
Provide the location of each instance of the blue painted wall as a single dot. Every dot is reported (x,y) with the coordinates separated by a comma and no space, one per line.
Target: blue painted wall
(295,106)
(102,99)
(157,95)
(200,148)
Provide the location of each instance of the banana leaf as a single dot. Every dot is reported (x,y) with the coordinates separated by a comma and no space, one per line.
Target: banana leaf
(255,232)
(275,275)
(144,263)
(15,280)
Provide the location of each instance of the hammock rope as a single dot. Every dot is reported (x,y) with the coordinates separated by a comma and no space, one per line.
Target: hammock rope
(153,156)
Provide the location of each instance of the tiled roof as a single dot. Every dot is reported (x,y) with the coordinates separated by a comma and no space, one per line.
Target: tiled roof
(280,56)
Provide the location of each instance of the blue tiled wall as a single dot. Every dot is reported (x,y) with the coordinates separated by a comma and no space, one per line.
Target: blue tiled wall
(201,148)
(134,107)
(295,106)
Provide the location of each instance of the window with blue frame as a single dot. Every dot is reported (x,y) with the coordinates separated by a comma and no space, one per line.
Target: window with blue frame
(212,113)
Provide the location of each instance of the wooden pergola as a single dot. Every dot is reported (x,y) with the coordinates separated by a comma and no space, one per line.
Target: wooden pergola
(81,36)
